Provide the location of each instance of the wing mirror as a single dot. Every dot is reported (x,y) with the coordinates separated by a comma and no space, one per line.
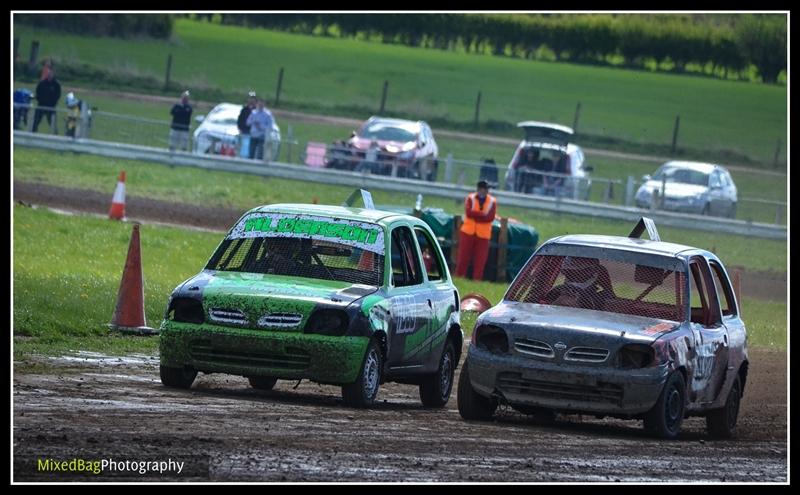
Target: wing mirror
(200,118)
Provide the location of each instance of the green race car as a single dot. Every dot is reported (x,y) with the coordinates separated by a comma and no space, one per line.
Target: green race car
(337,295)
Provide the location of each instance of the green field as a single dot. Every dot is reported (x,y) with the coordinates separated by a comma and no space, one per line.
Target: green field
(752,185)
(65,284)
(342,76)
(233,190)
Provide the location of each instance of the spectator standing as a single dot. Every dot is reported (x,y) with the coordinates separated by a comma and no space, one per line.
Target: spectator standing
(370,162)
(48,92)
(181,120)
(260,122)
(480,208)
(244,127)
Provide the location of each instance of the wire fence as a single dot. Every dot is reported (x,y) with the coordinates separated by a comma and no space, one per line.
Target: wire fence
(90,122)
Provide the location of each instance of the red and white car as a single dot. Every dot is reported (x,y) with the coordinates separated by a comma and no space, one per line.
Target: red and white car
(406,148)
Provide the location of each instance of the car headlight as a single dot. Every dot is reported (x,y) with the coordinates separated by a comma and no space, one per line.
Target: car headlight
(330,322)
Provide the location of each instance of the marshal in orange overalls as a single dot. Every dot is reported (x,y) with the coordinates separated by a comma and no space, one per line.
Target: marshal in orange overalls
(473,240)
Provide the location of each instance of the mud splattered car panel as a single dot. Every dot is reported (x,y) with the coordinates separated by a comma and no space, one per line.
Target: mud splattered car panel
(657,307)
(298,291)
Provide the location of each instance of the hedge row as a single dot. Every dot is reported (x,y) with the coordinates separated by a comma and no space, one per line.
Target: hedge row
(117,25)
(717,43)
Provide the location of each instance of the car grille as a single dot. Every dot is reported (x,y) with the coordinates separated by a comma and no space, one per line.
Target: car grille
(586,354)
(602,392)
(292,360)
(280,320)
(227,316)
(533,347)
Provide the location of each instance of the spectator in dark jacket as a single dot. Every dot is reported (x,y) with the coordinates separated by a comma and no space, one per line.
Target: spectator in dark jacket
(244,127)
(181,120)
(48,92)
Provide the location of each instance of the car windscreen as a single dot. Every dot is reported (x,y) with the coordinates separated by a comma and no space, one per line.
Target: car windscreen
(382,131)
(681,176)
(640,288)
(304,246)
(223,118)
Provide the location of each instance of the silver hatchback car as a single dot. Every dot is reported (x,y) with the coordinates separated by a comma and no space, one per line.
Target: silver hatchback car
(689,187)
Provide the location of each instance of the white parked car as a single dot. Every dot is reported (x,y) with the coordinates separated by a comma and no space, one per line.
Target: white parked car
(218,131)
(690,187)
(546,149)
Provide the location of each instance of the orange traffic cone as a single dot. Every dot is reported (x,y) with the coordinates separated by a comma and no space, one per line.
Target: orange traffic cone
(129,313)
(117,211)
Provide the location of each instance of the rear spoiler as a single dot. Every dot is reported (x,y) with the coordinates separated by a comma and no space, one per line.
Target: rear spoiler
(365,196)
(649,225)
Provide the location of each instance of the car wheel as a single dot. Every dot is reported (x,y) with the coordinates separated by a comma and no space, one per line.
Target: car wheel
(262,382)
(177,377)
(471,405)
(665,418)
(434,391)
(706,209)
(363,391)
(721,423)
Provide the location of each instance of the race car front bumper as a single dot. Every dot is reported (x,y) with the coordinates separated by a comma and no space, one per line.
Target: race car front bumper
(249,352)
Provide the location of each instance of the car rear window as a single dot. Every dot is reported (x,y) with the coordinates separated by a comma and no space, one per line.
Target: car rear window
(612,286)
(303,246)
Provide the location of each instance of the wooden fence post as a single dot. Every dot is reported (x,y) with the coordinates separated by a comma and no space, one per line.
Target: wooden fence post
(34,55)
(577,117)
(477,109)
(383,97)
(675,133)
(169,70)
(280,85)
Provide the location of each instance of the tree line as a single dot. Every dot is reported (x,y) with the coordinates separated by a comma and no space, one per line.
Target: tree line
(719,44)
(115,25)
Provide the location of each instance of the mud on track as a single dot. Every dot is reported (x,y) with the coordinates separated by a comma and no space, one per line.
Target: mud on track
(93,406)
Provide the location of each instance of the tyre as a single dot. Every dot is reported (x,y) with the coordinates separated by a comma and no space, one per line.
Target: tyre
(471,405)
(177,377)
(665,418)
(363,391)
(262,382)
(721,423)
(706,210)
(434,391)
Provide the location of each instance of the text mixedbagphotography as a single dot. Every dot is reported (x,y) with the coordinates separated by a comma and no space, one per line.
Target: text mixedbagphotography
(116,467)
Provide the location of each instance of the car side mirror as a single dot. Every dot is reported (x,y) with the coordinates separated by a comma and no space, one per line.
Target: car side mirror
(646,178)
(200,118)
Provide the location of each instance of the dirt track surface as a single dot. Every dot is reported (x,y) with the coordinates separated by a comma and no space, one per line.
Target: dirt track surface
(93,407)
(761,285)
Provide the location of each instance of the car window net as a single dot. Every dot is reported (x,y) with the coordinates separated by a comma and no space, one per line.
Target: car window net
(303,246)
(602,285)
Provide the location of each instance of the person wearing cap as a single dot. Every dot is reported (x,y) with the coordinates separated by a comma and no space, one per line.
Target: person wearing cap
(480,208)
(74,107)
(181,120)
(244,127)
